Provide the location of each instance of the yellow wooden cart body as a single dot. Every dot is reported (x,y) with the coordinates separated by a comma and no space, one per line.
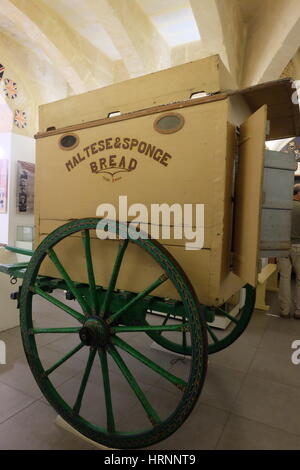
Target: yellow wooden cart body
(193,165)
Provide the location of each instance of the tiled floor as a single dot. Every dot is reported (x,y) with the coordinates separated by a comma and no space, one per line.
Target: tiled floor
(251,397)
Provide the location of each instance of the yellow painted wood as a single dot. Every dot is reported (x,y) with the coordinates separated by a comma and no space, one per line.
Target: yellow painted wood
(174,84)
(248,199)
(266,273)
(264,276)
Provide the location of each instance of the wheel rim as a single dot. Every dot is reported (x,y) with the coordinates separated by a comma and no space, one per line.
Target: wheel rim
(99,330)
(217,339)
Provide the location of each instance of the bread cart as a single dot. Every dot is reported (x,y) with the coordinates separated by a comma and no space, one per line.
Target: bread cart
(107,302)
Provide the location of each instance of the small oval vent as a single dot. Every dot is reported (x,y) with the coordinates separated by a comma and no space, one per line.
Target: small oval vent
(169,123)
(69,141)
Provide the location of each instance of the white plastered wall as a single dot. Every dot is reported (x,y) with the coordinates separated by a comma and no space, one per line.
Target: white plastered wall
(14,147)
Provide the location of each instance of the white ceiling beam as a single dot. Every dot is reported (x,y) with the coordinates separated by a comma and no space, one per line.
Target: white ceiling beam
(105,13)
(222,32)
(188,52)
(35,33)
(151,47)
(140,46)
(273,39)
(67,50)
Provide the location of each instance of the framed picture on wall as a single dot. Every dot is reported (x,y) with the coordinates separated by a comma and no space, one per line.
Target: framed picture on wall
(3,186)
(25,187)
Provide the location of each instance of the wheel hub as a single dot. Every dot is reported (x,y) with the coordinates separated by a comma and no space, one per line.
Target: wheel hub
(94,332)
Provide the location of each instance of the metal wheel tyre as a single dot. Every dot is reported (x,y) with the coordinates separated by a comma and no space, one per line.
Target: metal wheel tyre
(217,339)
(99,372)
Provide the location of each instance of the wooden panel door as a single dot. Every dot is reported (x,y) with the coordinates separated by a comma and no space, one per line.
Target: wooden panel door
(248,196)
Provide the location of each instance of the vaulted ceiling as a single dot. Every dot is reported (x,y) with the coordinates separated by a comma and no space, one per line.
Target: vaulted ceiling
(51,49)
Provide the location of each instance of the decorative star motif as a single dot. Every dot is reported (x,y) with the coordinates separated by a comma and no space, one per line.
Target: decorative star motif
(10,88)
(20,119)
(2,69)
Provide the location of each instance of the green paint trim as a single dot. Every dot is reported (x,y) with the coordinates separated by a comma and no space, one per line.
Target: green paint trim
(38,331)
(85,378)
(113,280)
(136,299)
(179,383)
(111,427)
(19,251)
(63,359)
(90,270)
(146,328)
(71,285)
(78,316)
(151,413)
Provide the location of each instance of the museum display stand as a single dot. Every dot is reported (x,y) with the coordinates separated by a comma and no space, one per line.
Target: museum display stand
(60,422)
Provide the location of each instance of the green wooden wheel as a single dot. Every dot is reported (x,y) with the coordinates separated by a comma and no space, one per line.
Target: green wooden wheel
(105,345)
(217,339)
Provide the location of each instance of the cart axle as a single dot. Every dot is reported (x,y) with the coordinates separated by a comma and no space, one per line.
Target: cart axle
(95,333)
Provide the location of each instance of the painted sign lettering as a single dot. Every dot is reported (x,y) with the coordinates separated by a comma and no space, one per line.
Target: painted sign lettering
(116,159)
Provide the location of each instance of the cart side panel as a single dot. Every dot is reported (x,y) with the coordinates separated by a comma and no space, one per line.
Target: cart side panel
(196,173)
(248,197)
(197,164)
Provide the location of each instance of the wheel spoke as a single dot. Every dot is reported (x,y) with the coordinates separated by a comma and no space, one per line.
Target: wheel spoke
(59,304)
(82,302)
(107,391)
(113,280)
(90,270)
(151,413)
(64,359)
(227,315)
(179,383)
(85,378)
(166,319)
(214,337)
(127,329)
(184,344)
(38,331)
(139,297)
